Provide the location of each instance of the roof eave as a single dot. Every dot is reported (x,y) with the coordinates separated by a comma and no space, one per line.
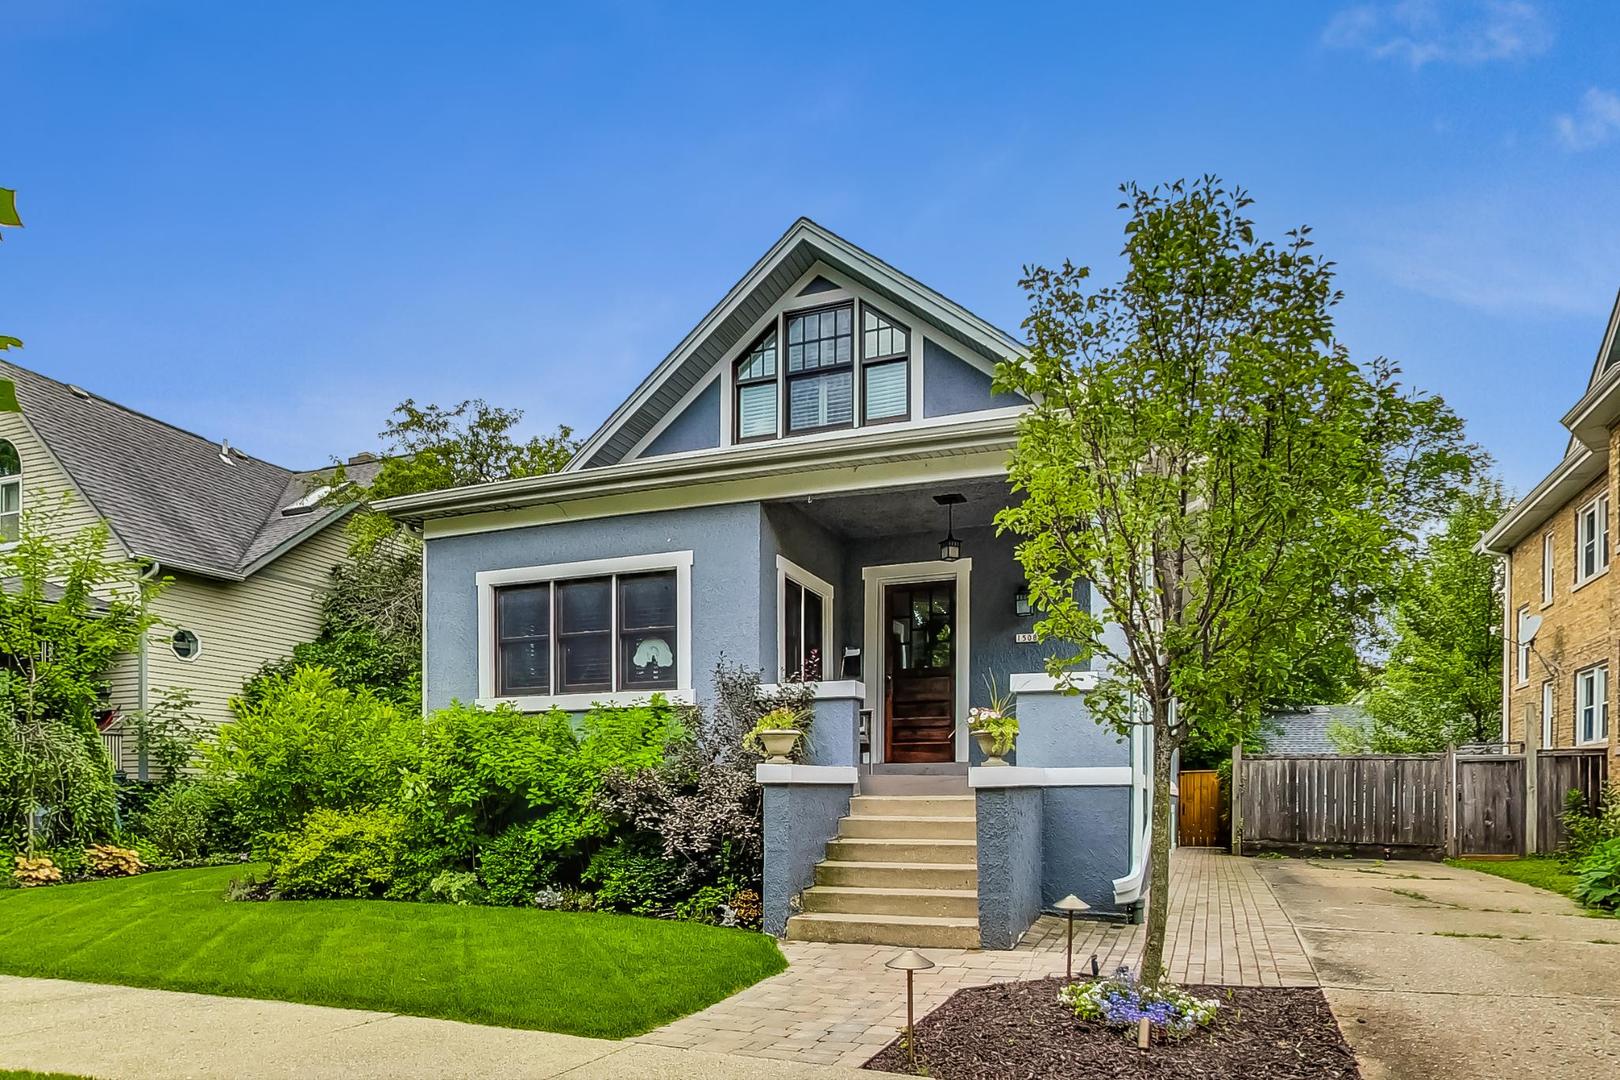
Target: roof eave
(1555,489)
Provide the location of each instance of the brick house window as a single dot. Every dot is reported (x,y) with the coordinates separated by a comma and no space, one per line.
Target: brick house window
(1592,705)
(1592,539)
(1521,665)
(1548,582)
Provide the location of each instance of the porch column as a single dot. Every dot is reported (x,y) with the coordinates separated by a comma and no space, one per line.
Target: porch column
(803,805)
(835,731)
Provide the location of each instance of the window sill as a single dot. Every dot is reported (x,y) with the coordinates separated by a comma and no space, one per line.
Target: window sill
(583,702)
(1584,582)
(1593,744)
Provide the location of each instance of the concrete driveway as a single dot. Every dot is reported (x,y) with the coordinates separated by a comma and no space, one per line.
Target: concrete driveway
(1435,971)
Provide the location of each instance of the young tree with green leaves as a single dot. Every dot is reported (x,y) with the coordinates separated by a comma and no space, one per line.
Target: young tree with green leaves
(1207,455)
(1442,684)
(67,611)
(9,219)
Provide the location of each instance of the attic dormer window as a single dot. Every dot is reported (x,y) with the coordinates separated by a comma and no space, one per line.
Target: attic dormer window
(820,369)
(756,390)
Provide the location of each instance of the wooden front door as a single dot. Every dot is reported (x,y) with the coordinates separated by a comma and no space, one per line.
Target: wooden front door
(1198,813)
(919,697)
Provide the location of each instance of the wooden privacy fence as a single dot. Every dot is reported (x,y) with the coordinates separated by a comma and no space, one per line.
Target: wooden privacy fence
(1424,805)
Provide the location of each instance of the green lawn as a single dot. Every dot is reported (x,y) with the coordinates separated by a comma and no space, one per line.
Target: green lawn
(582,974)
(1541,871)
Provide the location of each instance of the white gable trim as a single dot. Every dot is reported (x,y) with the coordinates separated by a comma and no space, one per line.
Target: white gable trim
(957,319)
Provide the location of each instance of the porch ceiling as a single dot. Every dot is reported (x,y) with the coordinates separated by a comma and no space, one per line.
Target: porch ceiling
(904,511)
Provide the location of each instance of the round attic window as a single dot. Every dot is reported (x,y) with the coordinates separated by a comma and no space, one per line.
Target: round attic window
(185,644)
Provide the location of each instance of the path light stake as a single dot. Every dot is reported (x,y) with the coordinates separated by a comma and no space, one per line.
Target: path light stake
(910,962)
(1069,905)
(1143,1032)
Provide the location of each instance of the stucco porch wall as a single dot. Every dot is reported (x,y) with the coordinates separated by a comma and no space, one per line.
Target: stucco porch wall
(803,806)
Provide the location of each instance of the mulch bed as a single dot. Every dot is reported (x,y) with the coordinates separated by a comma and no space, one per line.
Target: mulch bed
(1021,1030)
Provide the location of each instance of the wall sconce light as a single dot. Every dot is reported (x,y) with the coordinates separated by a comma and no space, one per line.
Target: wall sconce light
(1021,606)
(950,548)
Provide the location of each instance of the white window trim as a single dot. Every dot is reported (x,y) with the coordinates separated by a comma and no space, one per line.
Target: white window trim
(1549,576)
(1549,704)
(1600,705)
(8,481)
(192,659)
(873,580)
(488,581)
(1601,502)
(786,568)
(1521,658)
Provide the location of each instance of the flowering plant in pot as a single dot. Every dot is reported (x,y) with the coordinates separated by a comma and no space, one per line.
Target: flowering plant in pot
(993,726)
(777,734)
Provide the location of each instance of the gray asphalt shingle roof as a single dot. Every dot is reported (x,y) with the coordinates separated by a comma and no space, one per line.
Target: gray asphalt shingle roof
(1305,731)
(168,494)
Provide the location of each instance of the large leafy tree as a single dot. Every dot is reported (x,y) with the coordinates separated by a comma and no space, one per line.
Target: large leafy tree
(9,218)
(1442,683)
(372,611)
(67,611)
(1207,455)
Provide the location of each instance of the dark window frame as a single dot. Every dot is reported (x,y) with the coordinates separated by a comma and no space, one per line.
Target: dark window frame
(785,417)
(622,634)
(549,637)
(898,359)
(792,660)
(615,634)
(738,382)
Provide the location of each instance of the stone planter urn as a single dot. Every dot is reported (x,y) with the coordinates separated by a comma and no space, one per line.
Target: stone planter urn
(987,743)
(779,744)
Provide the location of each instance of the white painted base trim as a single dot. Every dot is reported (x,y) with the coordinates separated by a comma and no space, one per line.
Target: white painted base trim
(1004,776)
(828,690)
(1038,682)
(583,702)
(767,773)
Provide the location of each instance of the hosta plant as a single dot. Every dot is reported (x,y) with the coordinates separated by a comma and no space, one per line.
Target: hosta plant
(1597,877)
(36,871)
(1122,1001)
(104,860)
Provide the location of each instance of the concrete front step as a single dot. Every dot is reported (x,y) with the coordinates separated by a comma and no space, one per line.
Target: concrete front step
(855,900)
(903,850)
(913,806)
(904,827)
(903,931)
(891,875)
(953,784)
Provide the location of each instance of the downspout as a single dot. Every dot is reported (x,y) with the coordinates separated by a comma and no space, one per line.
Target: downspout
(141,682)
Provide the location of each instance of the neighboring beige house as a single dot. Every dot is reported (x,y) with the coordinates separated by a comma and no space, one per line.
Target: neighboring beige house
(248,545)
(1557,547)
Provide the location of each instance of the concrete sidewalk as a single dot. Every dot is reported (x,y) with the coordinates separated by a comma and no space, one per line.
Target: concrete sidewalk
(1436,971)
(119,1032)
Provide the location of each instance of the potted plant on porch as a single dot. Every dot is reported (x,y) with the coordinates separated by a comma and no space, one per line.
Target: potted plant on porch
(993,726)
(777,734)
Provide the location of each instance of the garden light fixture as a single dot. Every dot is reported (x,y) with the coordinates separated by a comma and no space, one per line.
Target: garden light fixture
(911,961)
(950,548)
(1069,905)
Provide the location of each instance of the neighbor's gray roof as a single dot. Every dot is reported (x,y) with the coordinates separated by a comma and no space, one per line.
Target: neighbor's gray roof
(168,494)
(1305,731)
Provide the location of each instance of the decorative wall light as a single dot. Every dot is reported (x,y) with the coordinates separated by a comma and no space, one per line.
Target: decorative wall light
(950,548)
(1021,606)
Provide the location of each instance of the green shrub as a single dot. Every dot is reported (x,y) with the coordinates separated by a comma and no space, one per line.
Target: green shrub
(1597,877)
(631,877)
(1584,831)
(457,887)
(308,743)
(359,659)
(341,854)
(512,867)
(192,819)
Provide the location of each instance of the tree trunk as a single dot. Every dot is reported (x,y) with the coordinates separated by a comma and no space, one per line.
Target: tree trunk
(1159,850)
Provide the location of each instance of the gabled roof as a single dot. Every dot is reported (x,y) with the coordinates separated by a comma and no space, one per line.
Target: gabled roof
(1305,731)
(170,495)
(801,247)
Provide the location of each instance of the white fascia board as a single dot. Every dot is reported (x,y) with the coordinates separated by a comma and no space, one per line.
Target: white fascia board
(1568,479)
(829,690)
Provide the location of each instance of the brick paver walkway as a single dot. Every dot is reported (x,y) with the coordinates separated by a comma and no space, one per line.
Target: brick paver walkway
(837,1004)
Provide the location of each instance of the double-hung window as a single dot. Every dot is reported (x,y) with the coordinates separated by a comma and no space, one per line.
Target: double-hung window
(820,369)
(1549,580)
(1521,667)
(1592,539)
(10,493)
(613,626)
(756,391)
(805,611)
(1548,714)
(1592,705)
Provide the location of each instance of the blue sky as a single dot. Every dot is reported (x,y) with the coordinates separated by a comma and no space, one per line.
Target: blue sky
(271,222)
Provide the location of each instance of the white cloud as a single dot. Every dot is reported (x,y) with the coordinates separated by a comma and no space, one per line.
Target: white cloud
(1507,253)
(1594,122)
(1418,32)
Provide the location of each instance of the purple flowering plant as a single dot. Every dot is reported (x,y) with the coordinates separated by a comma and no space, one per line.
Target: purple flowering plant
(1121,1001)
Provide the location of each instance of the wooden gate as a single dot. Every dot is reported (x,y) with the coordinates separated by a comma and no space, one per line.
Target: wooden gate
(1198,809)
(1490,804)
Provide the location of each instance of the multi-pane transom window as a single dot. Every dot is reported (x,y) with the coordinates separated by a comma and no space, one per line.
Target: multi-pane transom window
(1592,704)
(10,493)
(820,369)
(816,370)
(1592,539)
(586,635)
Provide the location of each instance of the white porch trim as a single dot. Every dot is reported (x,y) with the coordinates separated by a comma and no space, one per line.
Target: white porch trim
(873,580)
(786,568)
(767,773)
(827,690)
(1005,776)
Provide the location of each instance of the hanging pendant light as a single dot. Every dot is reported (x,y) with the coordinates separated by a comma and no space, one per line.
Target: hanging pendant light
(950,548)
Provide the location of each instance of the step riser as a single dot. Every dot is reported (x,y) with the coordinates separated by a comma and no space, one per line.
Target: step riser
(897,877)
(899,828)
(921,902)
(858,933)
(911,806)
(914,785)
(901,851)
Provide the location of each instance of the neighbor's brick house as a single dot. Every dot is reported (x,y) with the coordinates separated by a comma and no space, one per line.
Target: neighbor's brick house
(1556,545)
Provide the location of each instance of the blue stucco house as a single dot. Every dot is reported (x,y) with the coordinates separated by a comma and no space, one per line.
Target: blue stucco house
(777,491)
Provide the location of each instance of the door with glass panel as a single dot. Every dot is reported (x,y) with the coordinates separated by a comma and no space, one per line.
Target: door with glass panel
(919,709)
